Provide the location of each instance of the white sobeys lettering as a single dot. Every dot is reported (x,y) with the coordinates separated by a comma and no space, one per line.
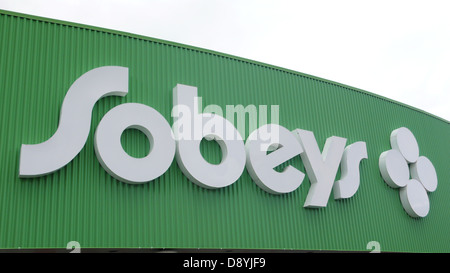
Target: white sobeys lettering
(116,161)
(74,122)
(321,167)
(347,186)
(260,165)
(188,121)
(183,141)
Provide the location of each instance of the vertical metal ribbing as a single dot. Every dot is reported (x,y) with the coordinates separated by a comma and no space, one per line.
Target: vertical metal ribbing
(40,59)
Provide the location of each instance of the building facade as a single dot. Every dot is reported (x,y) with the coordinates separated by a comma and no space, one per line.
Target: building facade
(88,202)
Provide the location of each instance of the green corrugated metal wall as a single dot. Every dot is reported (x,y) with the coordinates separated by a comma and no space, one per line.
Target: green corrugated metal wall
(40,59)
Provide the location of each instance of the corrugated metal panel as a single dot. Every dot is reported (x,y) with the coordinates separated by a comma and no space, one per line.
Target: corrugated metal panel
(39,60)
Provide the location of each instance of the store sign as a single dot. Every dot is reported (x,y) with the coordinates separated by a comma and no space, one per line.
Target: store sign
(403,168)
(266,147)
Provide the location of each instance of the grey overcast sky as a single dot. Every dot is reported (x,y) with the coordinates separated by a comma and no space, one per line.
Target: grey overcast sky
(398,49)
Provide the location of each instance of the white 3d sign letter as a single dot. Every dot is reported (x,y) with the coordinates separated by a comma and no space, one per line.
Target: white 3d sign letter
(321,168)
(191,125)
(75,121)
(116,161)
(347,186)
(260,165)
(189,131)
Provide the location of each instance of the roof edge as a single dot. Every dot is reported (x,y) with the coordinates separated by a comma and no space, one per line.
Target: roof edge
(208,51)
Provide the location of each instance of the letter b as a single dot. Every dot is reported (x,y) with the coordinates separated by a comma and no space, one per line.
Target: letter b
(189,131)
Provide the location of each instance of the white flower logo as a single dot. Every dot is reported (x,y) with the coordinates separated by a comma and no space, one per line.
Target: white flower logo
(402,167)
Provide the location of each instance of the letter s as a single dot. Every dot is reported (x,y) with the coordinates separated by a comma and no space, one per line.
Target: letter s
(347,186)
(75,121)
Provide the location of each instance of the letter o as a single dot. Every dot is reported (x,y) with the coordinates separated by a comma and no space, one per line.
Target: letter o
(116,161)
